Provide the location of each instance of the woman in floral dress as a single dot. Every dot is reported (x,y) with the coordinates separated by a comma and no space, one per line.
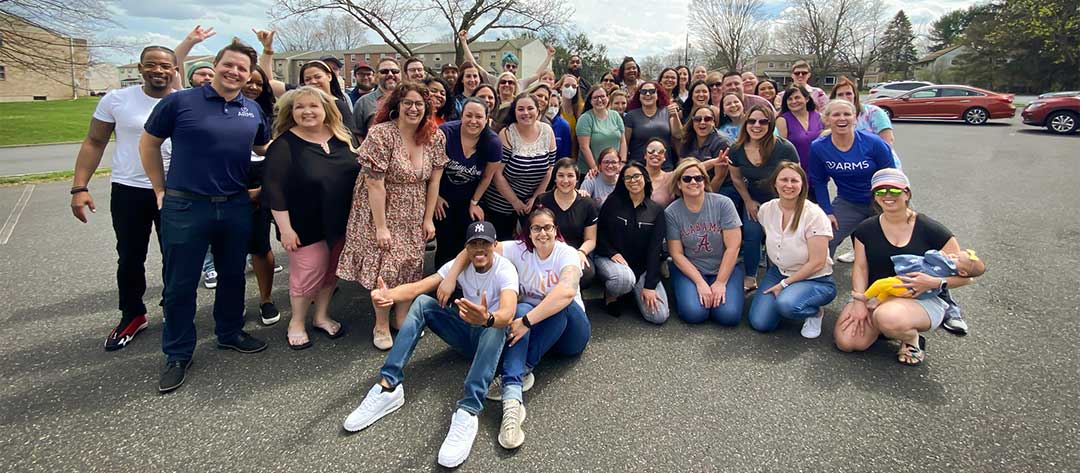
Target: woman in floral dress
(394,199)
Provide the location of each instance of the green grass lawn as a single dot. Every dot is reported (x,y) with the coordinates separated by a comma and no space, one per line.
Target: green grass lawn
(54,121)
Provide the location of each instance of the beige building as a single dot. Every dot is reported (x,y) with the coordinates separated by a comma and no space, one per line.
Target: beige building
(531,52)
(55,71)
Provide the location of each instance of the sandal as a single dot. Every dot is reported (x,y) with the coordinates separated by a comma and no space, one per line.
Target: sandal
(299,347)
(911,355)
(751,287)
(337,334)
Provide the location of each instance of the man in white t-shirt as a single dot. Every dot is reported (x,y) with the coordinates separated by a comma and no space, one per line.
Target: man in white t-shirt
(476,327)
(133,204)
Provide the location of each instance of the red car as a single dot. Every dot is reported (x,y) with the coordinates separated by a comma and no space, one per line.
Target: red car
(1059,112)
(949,102)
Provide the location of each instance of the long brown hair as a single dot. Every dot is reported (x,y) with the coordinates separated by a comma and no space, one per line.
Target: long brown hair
(389,110)
(768,142)
(686,133)
(283,119)
(800,202)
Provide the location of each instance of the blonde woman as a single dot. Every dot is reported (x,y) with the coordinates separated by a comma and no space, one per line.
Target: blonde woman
(312,155)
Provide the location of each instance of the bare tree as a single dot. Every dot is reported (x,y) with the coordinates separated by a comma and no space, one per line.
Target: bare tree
(319,32)
(820,29)
(58,36)
(733,28)
(394,21)
(862,44)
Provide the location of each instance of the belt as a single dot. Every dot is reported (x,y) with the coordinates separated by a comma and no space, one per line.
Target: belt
(209,198)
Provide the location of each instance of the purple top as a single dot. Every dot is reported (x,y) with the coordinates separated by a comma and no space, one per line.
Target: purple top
(801,137)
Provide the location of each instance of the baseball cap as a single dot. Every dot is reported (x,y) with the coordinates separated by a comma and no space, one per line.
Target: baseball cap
(480,230)
(889,177)
(448,66)
(363,65)
(329,59)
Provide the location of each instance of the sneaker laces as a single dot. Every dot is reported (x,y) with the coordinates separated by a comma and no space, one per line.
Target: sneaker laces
(510,415)
(369,400)
(459,428)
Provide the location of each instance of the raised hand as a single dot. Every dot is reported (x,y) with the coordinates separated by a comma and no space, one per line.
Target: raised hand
(199,34)
(266,37)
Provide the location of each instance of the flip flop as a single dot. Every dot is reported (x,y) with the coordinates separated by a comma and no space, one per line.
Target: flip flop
(916,355)
(302,346)
(340,331)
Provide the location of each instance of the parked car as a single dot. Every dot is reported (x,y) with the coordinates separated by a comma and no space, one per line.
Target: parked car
(949,102)
(896,89)
(1059,112)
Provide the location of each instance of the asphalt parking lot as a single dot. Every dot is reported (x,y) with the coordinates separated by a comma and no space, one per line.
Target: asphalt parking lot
(641,397)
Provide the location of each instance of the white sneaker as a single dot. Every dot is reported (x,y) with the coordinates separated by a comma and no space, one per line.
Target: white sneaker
(846,257)
(376,404)
(811,327)
(510,434)
(210,279)
(455,449)
(495,390)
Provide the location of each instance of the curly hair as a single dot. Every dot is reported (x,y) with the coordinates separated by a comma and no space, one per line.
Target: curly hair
(389,110)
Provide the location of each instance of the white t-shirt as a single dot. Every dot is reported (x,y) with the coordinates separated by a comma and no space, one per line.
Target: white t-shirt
(788,250)
(502,275)
(539,276)
(128,109)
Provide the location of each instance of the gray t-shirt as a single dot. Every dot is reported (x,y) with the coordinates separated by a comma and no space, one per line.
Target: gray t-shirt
(598,188)
(645,129)
(365,109)
(701,233)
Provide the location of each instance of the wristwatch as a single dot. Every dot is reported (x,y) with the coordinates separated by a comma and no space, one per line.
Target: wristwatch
(474,202)
(944,284)
(784,284)
(490,321)
(525,321)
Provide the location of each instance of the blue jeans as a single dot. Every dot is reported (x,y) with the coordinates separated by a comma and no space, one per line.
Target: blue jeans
(188,227)
(752,237)
(483,345)
(798,301)
(565,333)
(689,306)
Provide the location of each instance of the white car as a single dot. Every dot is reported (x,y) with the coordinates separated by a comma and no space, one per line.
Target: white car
(896,89)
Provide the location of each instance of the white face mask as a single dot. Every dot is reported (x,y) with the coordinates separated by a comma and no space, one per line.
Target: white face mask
(552,111)
(569,92)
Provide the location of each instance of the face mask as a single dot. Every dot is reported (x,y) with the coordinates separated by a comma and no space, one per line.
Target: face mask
(552,111)
(569,92)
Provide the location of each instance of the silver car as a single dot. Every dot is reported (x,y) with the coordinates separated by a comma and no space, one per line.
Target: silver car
(896,89)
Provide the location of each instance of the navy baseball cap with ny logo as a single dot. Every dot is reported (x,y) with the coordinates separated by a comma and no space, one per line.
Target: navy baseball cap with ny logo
(480,230)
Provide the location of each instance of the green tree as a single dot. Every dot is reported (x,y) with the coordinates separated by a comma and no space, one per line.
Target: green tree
(594,60)
(947,30)
(1050,31)
(898,47)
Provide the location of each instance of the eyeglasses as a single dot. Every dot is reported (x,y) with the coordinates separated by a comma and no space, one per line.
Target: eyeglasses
(655,151)
(694,178)
(598,97)
(610,81)
(387,72)
(417,104)
(647,91)
(888,191)
(612,163)
(759,121)
(509,65)
(507,82)
(704,118)
(800,73)
(633,177)
(542,228)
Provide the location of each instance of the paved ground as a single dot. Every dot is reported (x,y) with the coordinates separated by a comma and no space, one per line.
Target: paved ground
(641,398)
(44,158)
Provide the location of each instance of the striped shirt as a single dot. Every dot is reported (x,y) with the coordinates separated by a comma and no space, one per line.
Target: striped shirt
(524,167)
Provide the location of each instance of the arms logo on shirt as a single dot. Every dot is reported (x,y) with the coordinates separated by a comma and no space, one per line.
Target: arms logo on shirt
(845,166)
(245,113)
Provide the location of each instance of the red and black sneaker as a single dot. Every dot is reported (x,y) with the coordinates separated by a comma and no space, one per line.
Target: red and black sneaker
(125,332)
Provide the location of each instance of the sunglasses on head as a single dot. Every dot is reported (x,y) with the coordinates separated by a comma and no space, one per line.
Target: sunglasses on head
(888,191)
(694,178)
(703,118)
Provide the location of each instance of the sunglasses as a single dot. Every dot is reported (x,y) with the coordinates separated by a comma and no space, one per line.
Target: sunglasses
(759,121)
(506,82)
(888,191)
(655,151)
(800,73)
(387,72)
(648,92)
(610,81)
(715,84)
(706,119)
(694,178)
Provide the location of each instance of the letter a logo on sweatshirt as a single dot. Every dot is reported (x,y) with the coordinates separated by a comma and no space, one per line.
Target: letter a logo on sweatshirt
(703,245)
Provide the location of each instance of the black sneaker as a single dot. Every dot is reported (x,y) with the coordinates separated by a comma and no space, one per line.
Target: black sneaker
(269,313)
(125,332)
(173,375)
(243,343)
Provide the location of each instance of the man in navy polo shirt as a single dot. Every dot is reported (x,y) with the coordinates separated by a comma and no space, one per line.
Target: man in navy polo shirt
(204,201)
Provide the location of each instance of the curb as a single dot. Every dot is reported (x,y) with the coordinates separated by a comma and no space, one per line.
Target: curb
(46,144)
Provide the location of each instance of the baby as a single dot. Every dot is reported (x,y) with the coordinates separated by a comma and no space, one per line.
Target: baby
(934,263)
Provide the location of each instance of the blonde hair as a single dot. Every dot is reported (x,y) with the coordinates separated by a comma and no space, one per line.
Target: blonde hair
(512,77)
(283,113)
(680,169)
(838,103)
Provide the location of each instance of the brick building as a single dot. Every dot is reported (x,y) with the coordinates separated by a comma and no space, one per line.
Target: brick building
(56,69)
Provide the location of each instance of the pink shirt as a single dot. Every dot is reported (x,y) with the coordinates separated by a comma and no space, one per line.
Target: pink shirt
(789,250)
(660,192)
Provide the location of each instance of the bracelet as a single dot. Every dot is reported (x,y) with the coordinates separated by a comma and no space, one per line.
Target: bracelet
(474,202)
(784,284)
(490,320)
(78,189)
(268,51)
(525,321)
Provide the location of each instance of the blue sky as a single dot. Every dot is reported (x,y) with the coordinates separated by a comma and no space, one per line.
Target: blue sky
(649,30)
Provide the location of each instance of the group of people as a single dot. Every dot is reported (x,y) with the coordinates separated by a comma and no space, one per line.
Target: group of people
(684,183)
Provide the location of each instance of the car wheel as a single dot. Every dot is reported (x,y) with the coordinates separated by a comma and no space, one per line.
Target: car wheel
(1062,122)
(976,116)
(888,111)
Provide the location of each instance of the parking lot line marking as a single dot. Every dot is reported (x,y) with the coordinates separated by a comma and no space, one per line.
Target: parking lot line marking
(13,219)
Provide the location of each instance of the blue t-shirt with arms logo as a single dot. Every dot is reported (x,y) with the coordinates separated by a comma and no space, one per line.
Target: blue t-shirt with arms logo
(851,170)
(211,137)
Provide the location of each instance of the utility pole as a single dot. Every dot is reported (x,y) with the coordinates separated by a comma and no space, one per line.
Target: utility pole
(686,51)
(71,58)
